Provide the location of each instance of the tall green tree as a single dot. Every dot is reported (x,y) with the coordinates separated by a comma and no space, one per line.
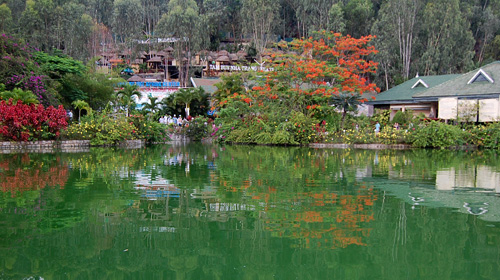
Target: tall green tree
(152,14)
(77,30)
(447,42)
(336,21)
(359,15)
(16,7)
(223,20)
(183,23)
(127,97)
(30,24)
(396,29)
(186,96)
(5,17)
(127,19)
(485,23)
(312,15)
(48,15)
(259,19)
(100,10)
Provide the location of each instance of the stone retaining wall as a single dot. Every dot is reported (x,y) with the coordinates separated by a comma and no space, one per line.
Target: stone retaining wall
(45,146)
(179,138)
(132,144)
(362,146)
(68,146)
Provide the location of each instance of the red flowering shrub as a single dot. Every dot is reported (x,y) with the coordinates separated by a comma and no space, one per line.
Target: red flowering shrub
(20,122)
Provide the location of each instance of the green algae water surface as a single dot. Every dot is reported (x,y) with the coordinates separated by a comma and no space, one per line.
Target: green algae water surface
(245,212)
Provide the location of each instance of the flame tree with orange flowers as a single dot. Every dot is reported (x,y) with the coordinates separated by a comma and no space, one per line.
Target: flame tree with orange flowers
(290,103)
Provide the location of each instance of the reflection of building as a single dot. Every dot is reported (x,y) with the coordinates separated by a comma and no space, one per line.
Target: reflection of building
(156,191)
(154,188)
(465,189)
(481,178)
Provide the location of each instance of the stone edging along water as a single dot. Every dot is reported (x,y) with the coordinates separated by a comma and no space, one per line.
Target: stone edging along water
(175,138)
(84,145)
(63,146)
(362,146)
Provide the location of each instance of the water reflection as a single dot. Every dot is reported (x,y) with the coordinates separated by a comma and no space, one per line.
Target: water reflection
(478,178)
(212,212)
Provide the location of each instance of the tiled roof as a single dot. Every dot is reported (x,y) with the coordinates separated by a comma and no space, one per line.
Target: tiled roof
(207,84)
(409,89)
(463,85)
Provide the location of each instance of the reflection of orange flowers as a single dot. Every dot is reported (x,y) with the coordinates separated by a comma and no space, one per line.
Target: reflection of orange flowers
(310,217)
(329,219)
(27,180)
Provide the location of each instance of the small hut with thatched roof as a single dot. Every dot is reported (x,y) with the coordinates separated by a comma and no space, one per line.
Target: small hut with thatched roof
(223,53)
(135,79)
(154,62)
(222,60)
(233,57)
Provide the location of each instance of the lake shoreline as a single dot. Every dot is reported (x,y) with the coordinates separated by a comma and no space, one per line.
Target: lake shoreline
(84,145)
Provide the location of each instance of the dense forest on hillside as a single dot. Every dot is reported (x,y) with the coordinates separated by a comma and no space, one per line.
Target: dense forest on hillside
(413,36)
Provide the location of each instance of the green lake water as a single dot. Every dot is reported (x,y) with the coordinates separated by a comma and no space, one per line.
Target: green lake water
(250,212)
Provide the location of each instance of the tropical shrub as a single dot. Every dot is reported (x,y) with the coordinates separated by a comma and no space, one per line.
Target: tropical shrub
(437,135)
(15,58)
(102,129)
(33,83)
(153,131)
(489,135)
(381,116)
(197,129)
(149,130)
(365,135)
(19,70)
(303,128)
(21,122)
(403,118)
(16,94)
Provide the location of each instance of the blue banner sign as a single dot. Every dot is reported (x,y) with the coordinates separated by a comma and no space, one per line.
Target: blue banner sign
(154,84)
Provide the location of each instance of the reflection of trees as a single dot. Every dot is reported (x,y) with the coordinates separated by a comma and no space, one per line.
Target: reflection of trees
(282,185)
(319,219)
(257,213)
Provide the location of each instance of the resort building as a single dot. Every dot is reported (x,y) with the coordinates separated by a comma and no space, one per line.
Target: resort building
(473,96)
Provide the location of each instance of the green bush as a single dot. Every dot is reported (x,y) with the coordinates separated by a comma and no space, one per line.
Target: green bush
(403,118)
(381,116)
(102,129)
(153,131)
(490,136)
(197,129)
(303,128)
(149,130)
(437,135)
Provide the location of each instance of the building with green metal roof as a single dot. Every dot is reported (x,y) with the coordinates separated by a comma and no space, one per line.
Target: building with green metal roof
(473,96)
(401,97)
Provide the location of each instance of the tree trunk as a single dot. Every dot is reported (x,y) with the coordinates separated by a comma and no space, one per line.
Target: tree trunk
(343,117)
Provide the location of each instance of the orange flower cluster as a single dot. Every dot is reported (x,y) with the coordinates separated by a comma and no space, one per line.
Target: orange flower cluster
(309,107)
(340,59)
(315,67)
